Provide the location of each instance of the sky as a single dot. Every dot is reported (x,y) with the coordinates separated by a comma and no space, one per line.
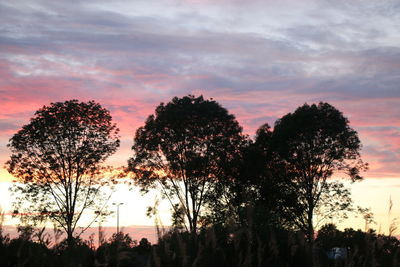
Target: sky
(259,59)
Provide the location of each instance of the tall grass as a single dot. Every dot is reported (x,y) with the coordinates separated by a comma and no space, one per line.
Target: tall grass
(393,222)
(211,247)
(219,246)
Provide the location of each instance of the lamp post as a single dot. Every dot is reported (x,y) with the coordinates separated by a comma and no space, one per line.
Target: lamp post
(118,204)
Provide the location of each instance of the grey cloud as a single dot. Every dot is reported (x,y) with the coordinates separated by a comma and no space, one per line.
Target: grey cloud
(8,125)
(385,156)
(394,129)
(232,59)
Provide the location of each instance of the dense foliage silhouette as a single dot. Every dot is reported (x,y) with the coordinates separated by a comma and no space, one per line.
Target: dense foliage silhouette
(235,201)
(186,148)
(215,247)
(314,143)
(56,159)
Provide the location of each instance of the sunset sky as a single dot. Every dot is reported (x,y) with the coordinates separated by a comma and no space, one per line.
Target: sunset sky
(260,59)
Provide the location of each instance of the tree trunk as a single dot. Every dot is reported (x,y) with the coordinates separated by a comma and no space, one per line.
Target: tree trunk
(194,229)
(70,232)
(72,259)
(310,227)
(310,234)
(70,239)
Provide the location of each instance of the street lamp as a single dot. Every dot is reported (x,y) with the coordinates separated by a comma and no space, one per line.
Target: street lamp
(118,204)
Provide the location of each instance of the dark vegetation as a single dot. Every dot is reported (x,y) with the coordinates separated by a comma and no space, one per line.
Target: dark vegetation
(213,246)
(57,158)
(235,201)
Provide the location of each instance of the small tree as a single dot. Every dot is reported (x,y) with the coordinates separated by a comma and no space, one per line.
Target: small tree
(57,158)
(185,148)
(314,143)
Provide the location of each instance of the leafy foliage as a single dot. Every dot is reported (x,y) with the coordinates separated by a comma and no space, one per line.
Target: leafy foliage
(194,150)
(186,147)
(287,168)
(315,142)
(57,158)
(265,182)
(335,203)
(116,252)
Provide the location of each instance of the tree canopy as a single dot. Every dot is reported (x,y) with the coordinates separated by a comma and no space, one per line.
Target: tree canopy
(186,147)
(57,159)
(316,142)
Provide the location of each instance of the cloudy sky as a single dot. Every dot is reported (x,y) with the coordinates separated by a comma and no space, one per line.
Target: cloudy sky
(259,59)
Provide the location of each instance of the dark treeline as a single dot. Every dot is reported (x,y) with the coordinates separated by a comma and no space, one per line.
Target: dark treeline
(212,246)
(235,200)
(29,249)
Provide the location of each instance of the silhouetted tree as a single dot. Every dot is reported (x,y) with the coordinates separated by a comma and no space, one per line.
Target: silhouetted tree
(117,251)
(144,246)
(185,148)
(266,182)
(74,253)
(329,236)
(257,193)
(25,252)
(57,158)
(314,143)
